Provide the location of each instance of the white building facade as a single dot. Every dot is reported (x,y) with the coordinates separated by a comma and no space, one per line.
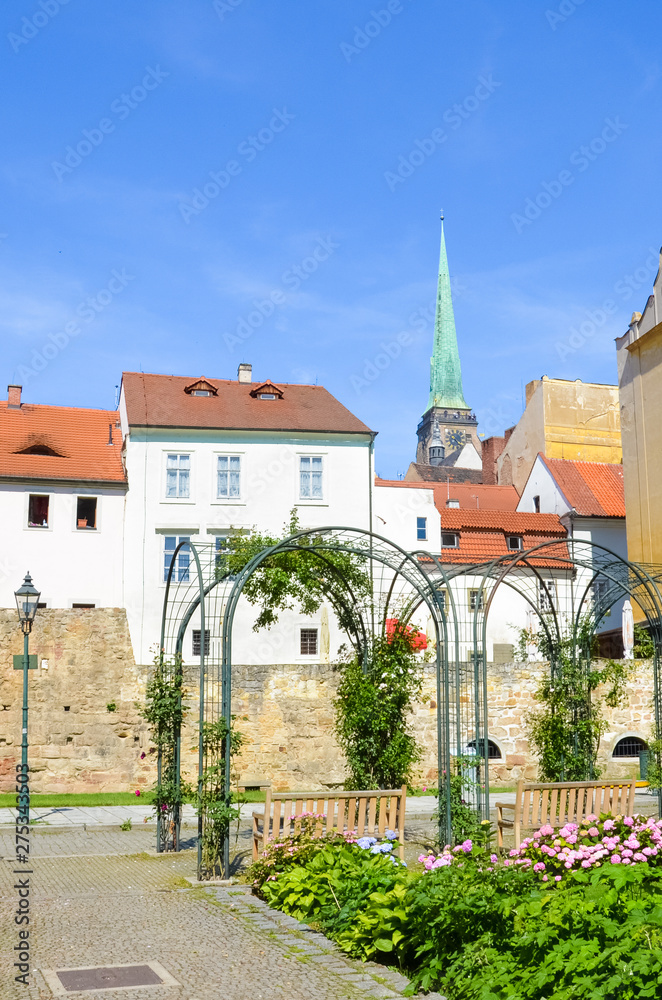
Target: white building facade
(62,500)
(208,457)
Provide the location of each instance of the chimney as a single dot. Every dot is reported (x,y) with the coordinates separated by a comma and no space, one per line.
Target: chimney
(14,396)
(492,448)
(245,373)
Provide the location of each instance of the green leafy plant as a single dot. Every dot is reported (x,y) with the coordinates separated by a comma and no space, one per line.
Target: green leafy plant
(218,809)
(475,929)
(371,708)
(300,579)
(566,730)
(164,710)
(126,825)
(465,823)
(644,643)
(111,707)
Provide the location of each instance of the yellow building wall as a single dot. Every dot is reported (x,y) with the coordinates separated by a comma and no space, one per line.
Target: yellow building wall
(582,421)
(576,420)
(641,416)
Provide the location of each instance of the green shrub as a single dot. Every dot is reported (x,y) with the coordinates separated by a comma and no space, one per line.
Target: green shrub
(477,929)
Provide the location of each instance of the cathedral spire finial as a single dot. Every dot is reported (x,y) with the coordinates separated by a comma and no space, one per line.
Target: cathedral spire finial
(445,372)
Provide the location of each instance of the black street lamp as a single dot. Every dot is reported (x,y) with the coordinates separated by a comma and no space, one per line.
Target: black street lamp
(27,600)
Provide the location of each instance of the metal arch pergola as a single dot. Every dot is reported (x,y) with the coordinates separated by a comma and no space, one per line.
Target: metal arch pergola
(401,583)
(394,577)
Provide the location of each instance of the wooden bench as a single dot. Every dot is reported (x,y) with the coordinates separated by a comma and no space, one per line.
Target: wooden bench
(369,814)
(555,804)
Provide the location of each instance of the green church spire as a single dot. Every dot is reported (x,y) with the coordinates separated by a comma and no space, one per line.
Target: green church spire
(445,373)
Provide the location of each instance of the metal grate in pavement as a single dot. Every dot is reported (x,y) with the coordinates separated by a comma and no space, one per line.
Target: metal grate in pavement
(64,982)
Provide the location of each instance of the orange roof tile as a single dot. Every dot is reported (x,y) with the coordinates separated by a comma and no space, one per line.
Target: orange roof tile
(483,535)
(470,495)
(594,489)
(77,437)
(161,401)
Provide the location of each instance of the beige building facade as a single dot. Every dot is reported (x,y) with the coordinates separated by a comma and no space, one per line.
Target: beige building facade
(639,354)
(562,419)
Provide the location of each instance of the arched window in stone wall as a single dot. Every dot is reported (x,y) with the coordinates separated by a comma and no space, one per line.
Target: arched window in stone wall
(493,750)
(629,746)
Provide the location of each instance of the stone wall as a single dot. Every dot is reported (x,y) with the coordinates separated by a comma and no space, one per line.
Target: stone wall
(76,744)
(285,712)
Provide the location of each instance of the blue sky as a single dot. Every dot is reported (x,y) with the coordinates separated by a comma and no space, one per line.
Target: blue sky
(322,139)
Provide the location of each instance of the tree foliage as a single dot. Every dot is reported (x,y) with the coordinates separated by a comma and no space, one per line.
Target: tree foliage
(300,579)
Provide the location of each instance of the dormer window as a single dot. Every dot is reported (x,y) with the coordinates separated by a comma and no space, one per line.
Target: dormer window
(201,387)
(39,448)
(515,543)
(267,390)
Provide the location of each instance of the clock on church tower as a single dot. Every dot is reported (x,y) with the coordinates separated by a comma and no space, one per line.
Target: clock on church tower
(455,438)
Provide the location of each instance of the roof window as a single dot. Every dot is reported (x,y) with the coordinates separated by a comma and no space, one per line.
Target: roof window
(267,390)
(515,543)
(450,540)
(39,449)
(201,387)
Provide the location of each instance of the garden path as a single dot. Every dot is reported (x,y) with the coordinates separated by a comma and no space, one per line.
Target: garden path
(218,942)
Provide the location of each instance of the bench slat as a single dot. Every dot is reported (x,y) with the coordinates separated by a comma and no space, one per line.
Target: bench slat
(382,815)
(559,803)
(372,812)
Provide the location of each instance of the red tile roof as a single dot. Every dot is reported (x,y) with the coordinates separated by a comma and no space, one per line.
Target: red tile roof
(78,437)
(471,496)
(483,535)
(594,489)
(160,401)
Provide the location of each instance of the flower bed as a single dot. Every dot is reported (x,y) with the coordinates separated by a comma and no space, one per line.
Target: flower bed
(576,914)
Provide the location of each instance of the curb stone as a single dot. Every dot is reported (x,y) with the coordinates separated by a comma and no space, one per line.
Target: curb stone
(376,980)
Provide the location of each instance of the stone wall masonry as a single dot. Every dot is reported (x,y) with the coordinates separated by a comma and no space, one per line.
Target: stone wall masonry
(75,743)
(285,712)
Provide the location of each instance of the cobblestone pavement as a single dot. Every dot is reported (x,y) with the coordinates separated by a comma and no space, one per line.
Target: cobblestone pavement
(219,942)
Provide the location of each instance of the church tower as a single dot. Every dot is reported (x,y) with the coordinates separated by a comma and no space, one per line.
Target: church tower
(448,424)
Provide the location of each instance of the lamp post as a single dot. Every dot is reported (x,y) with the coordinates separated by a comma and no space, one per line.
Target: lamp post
(27,598)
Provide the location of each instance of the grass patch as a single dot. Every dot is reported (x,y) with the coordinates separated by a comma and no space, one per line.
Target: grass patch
(48,801)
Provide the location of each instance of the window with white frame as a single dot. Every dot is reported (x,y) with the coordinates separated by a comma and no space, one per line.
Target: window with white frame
(421,529)
(546,596)
(308,641)
(38,511)
(178,477)
(450,540)
(180,573)
(228,477)
(197,641)
(310,477)
(476,600)
(515,543)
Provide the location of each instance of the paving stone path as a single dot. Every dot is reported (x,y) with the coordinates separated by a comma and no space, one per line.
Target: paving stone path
(218,942)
